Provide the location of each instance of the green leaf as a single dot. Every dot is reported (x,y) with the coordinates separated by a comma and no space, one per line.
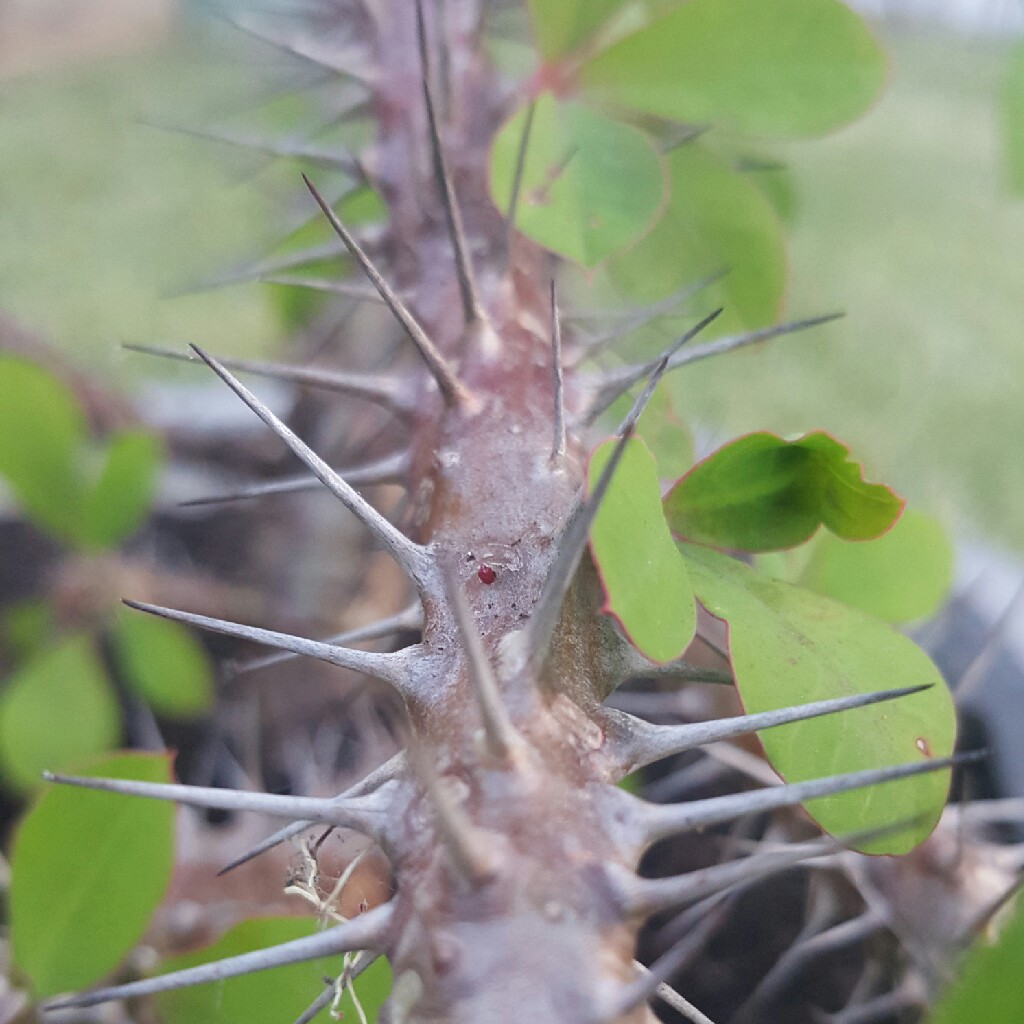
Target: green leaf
(26,626)
(790,646)
(42,428)
(716,219)
(590,185)
(902,576)
(561,25)
(667,437)
(163,663)
(644,578)
(785,68)
(55,712)
(761,492)
(121,497)
(266,997)
(988,987)
(1013,120)
(88,869)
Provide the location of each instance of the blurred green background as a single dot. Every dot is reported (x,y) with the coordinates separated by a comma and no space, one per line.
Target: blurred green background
(905,220)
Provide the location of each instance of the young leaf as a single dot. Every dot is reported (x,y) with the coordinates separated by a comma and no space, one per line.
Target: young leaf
(666,436)
(55,711)
(785,68)
(643,576)
(761,493)
(716,219)
(789,646)
(988,987)
(561,25)
(590,185)
(88,870)
(901,576)
(164,663)
(120,499)
(43,429)
(280,994)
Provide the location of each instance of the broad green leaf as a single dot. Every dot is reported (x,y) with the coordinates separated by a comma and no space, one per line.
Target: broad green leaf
(266,997)
(901,576)
(785,68)
(164,663)
(56,711)
(88,870)
(716,219)
(25,626)
(644,578)
(121,497)
(1013,120)
(590,185)
(988,986)
(790,646)
(761,492)
(561,25)
(42,429)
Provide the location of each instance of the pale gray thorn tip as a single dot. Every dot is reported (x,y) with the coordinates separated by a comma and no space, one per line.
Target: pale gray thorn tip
(651,987)
(380,389)
(389,667)
(410,556)
(614,382)
(368,931)
(390,769)
(453,391)
(348,289)
(652,371)
(641,743)
(408,619)
(389,470)
(499,732)
(557,380)
(640,318)
(259,269)
(660,821)
(517,178)
(471,308)
(363,814)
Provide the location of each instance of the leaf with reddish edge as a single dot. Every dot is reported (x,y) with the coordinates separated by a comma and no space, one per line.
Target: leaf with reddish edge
(784,68)
(789,646)
(763,493)
(87,871)
(644,578)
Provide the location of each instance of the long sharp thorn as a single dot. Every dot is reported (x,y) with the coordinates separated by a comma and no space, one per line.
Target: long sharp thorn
(517,178)
(499,731)
(670,997)
(557,380)
(615,382)
(349,289)
(389,667)
(652,371)
(388,470)
(574,538)
(363,814)
(364,960)
(644,743)
(368,931)
(595,346)
(453,391)
(389,770)
(413,558)
(376,388)
(661,821)
(467,847)
(471,309)
(270,265)
(409,618)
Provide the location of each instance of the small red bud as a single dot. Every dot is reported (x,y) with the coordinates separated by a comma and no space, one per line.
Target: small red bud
(486,574)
